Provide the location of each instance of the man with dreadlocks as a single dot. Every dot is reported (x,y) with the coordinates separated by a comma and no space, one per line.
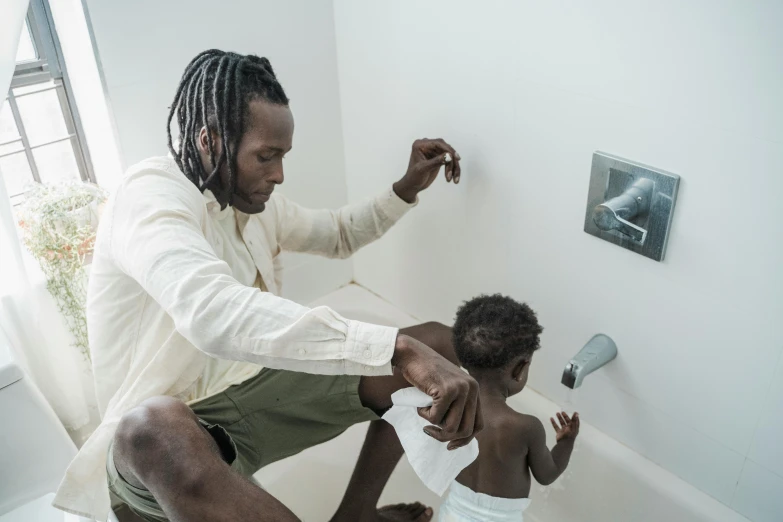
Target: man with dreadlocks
(203,374)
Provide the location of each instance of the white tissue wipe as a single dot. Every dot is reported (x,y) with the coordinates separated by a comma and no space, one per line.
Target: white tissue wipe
(447,158)
(436,466)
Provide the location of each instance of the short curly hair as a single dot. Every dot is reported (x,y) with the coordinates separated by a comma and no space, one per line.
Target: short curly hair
(491,330)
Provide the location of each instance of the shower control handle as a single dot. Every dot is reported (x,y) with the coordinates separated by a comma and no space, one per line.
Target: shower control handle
(616,213)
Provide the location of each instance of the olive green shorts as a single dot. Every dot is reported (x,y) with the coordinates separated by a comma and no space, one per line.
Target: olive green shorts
(272,416)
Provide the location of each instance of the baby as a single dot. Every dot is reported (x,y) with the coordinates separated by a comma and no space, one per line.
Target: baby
(495,337)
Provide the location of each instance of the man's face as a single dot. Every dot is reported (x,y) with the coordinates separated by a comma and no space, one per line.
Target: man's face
(269,133)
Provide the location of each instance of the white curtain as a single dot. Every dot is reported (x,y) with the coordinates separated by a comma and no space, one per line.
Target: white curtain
(30,324)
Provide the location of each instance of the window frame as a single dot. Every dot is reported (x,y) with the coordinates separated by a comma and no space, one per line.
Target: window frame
(48,66)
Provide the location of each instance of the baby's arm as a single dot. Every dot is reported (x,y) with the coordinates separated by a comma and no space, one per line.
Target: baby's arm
(546,466)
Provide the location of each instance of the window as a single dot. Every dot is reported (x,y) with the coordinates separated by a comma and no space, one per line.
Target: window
(41,139)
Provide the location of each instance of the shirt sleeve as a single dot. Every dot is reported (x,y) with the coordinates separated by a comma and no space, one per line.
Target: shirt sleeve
(158,238)
(337,233)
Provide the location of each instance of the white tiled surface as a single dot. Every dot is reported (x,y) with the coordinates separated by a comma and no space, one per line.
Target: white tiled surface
(355,302)
(665,440)
(134,107)
(5,351)
(767,448)
(716,62)
(527,91)
(307,277)
(759,494)
(41,510)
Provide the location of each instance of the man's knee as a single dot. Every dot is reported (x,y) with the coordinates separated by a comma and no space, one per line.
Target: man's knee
(439,337)
(439,328)
(149,434)
(147,427)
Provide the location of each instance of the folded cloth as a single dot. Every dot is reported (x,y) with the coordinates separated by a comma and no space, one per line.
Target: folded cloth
(436,466)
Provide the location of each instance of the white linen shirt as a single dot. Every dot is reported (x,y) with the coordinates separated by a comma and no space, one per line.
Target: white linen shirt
(219,374)
(163,298)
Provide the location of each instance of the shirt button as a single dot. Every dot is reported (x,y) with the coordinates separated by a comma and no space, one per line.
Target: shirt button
(367,354)
(301,351)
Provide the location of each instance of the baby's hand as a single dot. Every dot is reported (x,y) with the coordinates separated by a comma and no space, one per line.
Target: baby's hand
(569,427)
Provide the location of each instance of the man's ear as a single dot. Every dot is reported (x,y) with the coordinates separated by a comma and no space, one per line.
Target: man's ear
(519,369)
(203,141)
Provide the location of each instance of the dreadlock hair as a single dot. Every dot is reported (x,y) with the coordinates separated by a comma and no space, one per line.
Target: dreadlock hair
(492,330)
(214,92)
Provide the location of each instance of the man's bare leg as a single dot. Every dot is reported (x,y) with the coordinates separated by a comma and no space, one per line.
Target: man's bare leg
(382,449)
(161,446)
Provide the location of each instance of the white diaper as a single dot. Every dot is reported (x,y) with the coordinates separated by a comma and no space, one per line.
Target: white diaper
(465,505)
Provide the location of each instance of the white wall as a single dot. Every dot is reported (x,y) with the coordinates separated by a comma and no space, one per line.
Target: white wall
(526,91)
(84,76)
(144,46)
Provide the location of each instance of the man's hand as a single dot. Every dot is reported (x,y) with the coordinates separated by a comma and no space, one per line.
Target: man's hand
(456,410)
(427,157)
(569,427)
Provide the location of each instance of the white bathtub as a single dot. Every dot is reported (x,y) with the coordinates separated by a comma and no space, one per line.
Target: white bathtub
(605,481)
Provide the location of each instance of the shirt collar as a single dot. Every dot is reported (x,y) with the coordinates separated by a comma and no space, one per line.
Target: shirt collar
(213,207)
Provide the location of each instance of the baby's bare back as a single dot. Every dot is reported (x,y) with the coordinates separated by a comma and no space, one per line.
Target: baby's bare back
(501,469)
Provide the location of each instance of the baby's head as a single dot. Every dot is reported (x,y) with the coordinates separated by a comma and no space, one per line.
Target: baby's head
(495,337)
